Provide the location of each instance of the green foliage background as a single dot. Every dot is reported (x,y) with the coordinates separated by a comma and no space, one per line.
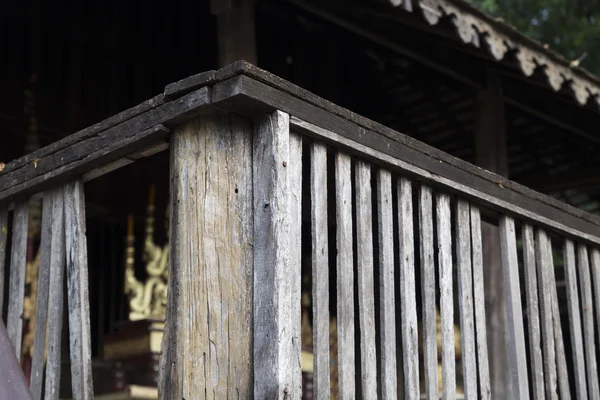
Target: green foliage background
(569,27)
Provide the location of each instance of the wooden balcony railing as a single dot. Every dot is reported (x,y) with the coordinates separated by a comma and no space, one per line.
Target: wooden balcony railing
(266,178)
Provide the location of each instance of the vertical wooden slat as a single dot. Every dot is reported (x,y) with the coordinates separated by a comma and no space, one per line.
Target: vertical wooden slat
(77,286)
(479,299)
(595,266)
(366,296)
(561,359)
(18,262)
(545,269)
(207,349)
(514,317)
(533,313)
(410,341)
(465,298)
(271,265)
(389,387)
(587,311)
(103,259)
(3,237)
(295,199)
(320,269)
(55,299)
(345,277)
(41,307)
(574,319)
(428,292)
(444,236)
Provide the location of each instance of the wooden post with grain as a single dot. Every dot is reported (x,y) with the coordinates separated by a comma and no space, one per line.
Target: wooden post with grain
(207,347)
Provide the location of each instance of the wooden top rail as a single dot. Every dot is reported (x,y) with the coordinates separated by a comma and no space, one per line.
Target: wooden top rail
(245,89)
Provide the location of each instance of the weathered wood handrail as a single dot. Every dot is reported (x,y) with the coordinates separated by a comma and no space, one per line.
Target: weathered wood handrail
(245,89)
(236,141)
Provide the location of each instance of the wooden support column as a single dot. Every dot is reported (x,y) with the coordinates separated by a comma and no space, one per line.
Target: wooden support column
(277,283)
(490,153)
(236,30)
(207,347)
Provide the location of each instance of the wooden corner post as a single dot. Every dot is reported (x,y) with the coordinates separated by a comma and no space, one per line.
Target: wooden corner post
(207,347)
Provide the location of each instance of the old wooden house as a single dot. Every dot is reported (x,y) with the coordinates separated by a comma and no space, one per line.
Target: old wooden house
(404,206)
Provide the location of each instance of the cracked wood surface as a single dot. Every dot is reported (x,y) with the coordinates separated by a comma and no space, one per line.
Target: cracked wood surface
(207,349)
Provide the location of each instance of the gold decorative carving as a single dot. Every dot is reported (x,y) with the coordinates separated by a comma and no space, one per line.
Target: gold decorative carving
(147,299)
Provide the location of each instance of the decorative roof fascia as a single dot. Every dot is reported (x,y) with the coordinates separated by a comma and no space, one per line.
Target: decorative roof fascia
(475,27)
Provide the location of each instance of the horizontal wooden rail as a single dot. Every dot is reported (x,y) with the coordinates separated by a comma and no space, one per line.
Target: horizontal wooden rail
(92,151)
(503,200)
(244,89)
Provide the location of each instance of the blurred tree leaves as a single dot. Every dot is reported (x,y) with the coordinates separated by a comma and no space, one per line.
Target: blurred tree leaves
(569,27)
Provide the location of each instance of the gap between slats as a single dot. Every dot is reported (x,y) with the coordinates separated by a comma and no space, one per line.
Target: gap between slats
(18,263)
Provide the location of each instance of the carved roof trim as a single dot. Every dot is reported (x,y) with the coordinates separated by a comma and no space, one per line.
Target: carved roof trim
(477,28)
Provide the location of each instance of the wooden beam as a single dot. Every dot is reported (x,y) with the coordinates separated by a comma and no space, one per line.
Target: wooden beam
(236,30)
(386,43)
(551,120)
(446,71)
(121,136)
(207,349)
(490,153)
(260,91)
(576,178)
